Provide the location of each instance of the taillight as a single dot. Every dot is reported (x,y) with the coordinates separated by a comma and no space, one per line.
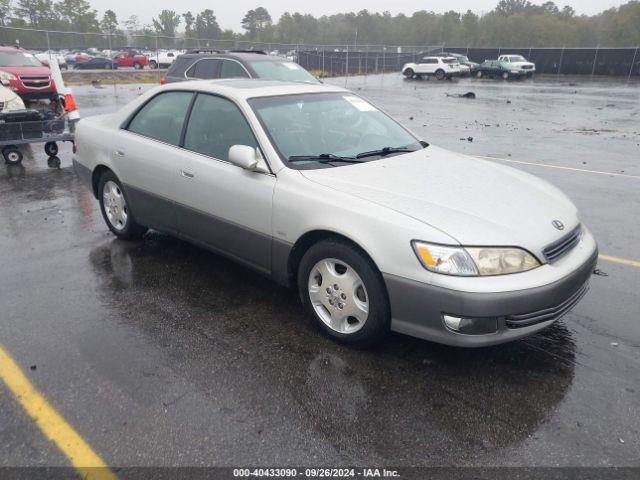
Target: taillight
(163,80)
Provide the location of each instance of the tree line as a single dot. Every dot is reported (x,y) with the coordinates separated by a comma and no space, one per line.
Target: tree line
(512,23)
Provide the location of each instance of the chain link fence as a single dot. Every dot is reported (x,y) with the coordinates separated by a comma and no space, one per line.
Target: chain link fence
(329,60)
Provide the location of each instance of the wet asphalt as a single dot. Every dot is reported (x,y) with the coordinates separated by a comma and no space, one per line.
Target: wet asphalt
(160,353)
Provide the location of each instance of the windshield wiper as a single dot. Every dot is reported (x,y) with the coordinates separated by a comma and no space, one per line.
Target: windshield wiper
(384,151)
(323,158)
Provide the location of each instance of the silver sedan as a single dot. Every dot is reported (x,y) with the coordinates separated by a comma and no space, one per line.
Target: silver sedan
(319,189)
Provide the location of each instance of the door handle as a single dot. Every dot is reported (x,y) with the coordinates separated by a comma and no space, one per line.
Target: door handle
(119,153)
(187,174)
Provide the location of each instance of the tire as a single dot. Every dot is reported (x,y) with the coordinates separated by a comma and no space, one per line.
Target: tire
(505,75)
(479,74)
(122,226)
(440,75)
(12,156)
(153,64)
(137,66)
(51,149)
(53,162)
(329,307)
(409,73)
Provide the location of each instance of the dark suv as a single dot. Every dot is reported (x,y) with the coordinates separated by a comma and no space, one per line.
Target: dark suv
(212,64)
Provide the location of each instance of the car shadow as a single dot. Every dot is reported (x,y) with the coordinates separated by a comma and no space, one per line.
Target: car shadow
(393,401)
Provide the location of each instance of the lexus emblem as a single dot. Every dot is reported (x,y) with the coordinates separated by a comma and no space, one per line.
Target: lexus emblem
(558,224)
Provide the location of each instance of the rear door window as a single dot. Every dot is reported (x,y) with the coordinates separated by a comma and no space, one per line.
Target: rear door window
(232,69)
(205,69)
(162,117)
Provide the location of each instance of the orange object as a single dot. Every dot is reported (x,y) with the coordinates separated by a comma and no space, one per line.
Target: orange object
(69,103)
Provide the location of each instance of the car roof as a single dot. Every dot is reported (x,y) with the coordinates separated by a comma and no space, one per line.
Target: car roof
(243,89)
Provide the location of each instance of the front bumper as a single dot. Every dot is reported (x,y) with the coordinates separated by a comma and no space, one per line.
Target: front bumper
(417,308)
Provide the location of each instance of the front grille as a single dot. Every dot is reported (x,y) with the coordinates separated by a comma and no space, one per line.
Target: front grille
(563,246)
(546,314)
(527,67)
(35,82)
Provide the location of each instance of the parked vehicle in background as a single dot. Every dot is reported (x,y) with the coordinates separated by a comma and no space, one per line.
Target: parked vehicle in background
(44,57)
(497,69)
(202,64)
(518,64)
(439,67)
(97,63)
(319,189)
(9,100)
(162,59)
(23,73)
(127,59)
(464,61)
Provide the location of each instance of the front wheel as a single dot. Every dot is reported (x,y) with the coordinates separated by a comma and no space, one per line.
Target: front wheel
(409,73)
(12,156)
(115,210)
(479,74)
(344,293)
(440,75)
(137,66)
(153,64)
(505,75)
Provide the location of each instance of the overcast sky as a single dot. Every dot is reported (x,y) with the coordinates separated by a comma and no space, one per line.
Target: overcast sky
(230,13)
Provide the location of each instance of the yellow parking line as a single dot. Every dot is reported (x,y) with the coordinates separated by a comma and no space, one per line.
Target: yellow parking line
(54,427)
(623,261)
(582,170)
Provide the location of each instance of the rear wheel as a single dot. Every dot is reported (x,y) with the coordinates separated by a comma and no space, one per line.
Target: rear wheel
(479,74)
(505,75)
(153,64)
(115,210)
(137,66)
(51,149)
(409,73)
(344,293)
(440,75)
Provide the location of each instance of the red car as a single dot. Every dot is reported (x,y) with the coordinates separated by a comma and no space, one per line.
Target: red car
(23,73)
(127,59)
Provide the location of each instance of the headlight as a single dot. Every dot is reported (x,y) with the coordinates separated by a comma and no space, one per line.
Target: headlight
(473,261)
(6,77)
(498,261)
(445,259)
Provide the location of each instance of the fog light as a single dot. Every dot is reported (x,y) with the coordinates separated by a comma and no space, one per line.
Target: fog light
(471,326)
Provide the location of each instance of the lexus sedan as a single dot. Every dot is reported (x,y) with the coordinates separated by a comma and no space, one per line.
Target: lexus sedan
(319,189)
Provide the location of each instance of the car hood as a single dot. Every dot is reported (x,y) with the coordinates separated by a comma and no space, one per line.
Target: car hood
(17,71)
(476,202)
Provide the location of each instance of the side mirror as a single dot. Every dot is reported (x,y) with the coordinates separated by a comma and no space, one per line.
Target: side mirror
(245,157)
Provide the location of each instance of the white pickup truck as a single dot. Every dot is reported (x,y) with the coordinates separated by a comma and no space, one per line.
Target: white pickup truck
(440,67)
(162,59)
(519,64)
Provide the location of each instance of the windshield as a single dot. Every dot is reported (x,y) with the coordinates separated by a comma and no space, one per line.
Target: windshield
(18,59)
(329,124)
(285,71)
(463,59)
